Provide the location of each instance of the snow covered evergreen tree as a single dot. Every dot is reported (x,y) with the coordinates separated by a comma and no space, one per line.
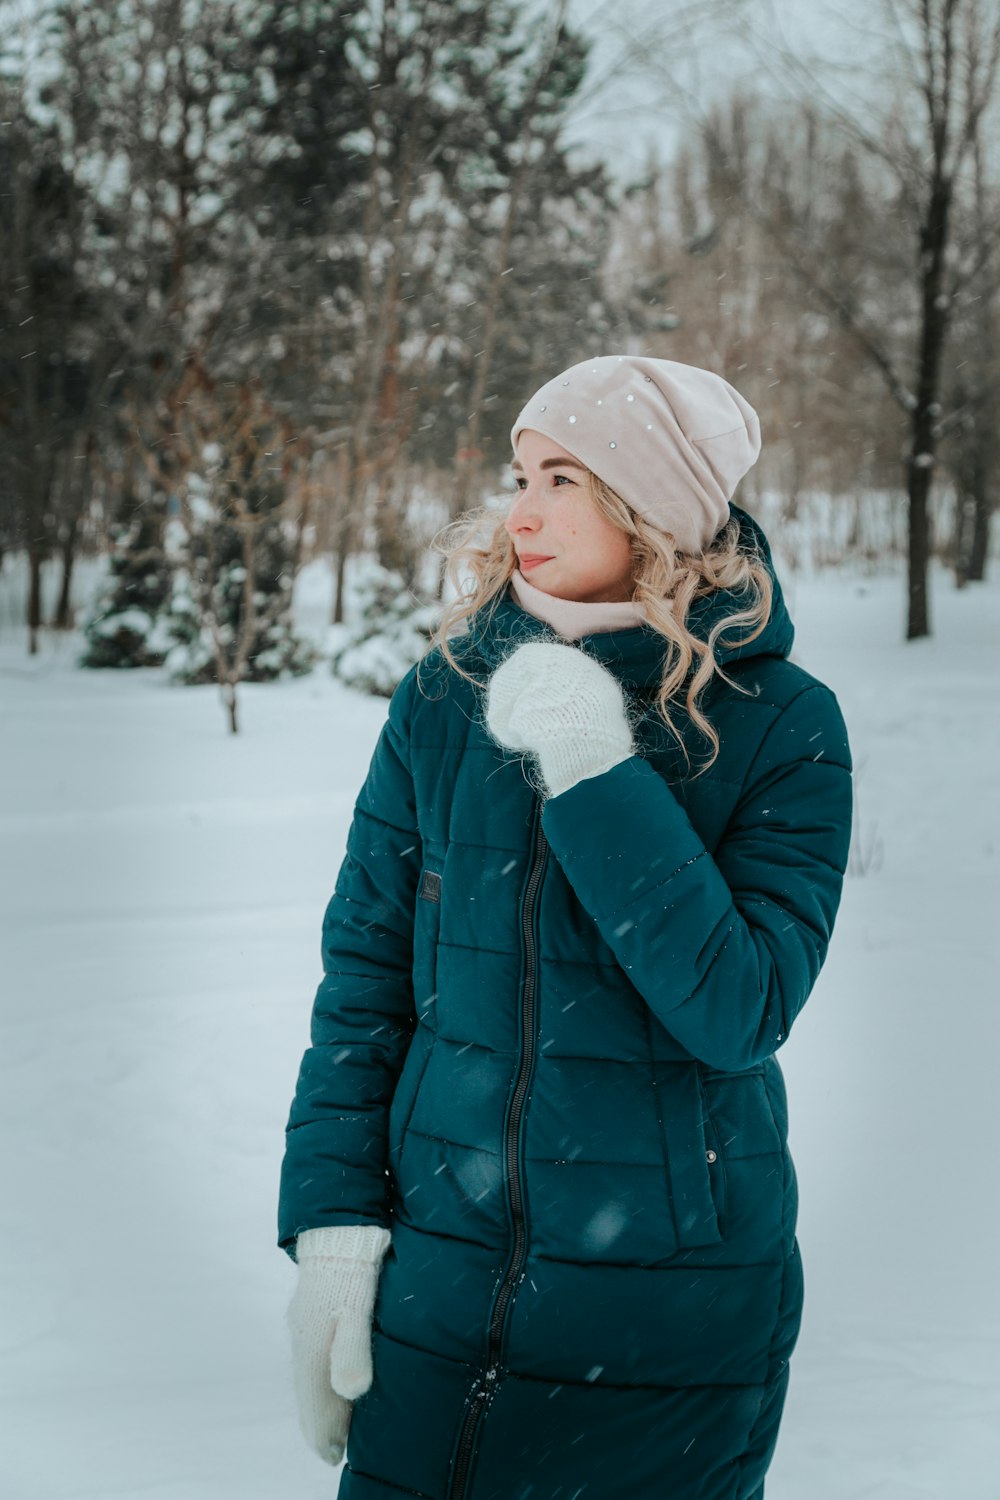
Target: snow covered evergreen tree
(126,626)
(387,633)
(213,590)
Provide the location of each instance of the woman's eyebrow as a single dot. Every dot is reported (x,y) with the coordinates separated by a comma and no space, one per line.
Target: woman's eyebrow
(551,463)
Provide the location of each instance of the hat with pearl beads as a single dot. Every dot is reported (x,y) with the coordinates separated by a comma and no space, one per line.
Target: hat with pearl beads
(671,439)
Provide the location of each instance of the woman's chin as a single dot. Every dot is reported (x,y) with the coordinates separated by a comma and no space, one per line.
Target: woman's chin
(553,588)
(545,578)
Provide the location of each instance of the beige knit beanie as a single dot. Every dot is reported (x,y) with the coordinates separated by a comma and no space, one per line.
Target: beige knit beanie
(671,439)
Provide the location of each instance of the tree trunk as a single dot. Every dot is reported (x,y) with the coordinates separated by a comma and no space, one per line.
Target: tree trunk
(982,516)
(62,619)
(229,699)
(342,532)
(75,490)
(337,617)
(976,473)
(920,467)
(918,553)
(961,536)
(442,578)
(35,560)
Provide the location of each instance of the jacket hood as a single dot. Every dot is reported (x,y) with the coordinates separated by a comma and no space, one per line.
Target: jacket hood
(635,655)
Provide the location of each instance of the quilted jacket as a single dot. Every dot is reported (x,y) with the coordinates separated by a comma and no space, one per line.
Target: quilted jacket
(543,1054)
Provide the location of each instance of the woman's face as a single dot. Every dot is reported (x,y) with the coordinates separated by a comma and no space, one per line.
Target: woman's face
(553,516)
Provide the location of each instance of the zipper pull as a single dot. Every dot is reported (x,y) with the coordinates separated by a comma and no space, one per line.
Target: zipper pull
(487,1383)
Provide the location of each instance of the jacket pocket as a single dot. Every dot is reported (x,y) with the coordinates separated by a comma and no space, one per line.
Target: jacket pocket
(694,1159)
(405,1097)
(715,1160)
(426,931)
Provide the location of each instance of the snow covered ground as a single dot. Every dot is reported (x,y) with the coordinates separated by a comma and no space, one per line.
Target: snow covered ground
(161,892)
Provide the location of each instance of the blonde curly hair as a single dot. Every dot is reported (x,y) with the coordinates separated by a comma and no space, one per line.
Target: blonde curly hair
(666,582)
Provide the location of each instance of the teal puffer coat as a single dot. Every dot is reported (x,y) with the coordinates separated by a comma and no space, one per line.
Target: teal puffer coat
(543,1055)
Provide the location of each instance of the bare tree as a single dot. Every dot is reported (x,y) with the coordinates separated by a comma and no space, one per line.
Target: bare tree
(923,147)
(43,413)
(972,448)
(707,288)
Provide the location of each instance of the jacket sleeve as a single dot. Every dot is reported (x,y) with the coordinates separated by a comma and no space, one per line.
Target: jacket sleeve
(334,1169)
(726,949)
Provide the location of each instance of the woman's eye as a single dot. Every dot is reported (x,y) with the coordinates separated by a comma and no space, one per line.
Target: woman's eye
(520,481)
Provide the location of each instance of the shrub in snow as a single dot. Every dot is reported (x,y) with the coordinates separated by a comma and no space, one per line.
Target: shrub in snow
(389,631)
(275,651)
(126,627)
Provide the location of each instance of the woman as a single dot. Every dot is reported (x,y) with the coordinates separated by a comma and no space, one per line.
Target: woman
(536,1162)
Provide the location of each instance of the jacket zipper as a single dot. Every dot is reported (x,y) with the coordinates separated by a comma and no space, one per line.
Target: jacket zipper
(486,1383)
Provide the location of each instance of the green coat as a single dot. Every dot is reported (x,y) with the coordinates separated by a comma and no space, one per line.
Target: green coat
(543,1054)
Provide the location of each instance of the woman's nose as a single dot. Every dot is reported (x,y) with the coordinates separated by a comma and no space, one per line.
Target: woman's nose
(522,515)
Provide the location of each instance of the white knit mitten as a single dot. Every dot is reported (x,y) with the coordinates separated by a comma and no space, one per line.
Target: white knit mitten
(562,706)
(330,1319)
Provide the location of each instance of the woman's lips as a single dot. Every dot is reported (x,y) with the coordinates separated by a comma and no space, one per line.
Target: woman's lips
(532,562)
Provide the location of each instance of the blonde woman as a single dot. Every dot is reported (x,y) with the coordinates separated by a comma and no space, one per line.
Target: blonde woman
(537,1179)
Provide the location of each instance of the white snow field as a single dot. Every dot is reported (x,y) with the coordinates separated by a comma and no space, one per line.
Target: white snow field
(163,885)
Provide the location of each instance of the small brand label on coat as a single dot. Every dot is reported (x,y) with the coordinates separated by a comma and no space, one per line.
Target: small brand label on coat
(430,886)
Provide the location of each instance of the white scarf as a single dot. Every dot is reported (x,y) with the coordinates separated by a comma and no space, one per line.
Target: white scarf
(572,618)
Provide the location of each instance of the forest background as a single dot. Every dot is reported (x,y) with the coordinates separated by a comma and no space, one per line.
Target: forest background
(278,275)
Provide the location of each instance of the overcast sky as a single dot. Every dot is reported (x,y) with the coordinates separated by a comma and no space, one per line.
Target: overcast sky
(628,102)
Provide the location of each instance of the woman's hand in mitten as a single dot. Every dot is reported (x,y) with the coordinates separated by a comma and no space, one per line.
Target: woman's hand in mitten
(330,1321)
(564,707)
